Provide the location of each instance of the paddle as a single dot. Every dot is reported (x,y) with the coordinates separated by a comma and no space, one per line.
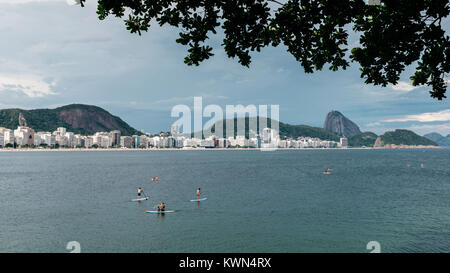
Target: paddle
(145,194)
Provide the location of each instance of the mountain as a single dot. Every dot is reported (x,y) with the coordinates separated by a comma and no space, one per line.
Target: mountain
(402,137)
(285,130)
(439,139)
(336,123)
(77,118)
(366,139)
(294,131)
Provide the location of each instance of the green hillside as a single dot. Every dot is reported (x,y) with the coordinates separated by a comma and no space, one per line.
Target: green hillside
(366,139)
(77,118)
(405,137)
(286,130)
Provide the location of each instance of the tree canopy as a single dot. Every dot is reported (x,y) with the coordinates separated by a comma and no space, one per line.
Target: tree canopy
(393,34)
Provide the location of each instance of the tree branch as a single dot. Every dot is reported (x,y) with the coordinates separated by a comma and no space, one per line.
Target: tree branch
(274,1)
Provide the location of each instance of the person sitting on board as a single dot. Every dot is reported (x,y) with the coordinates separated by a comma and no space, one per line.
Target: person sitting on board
(198,193)
(140,191)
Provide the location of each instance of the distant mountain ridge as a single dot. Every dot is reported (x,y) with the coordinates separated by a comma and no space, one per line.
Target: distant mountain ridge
(366,139)
(336,123)
(402,137)
(77,118)
(439,139)
(285,130)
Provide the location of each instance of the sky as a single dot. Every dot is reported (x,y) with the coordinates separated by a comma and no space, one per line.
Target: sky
(53,53)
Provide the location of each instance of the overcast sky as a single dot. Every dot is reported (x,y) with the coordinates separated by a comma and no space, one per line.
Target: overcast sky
(52,54)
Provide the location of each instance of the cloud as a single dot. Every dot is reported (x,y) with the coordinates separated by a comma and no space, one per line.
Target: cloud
(93,38)
(403,87)
(421,129)
(443,129)
(373,124)
(164,104)
(31,86)
(29,1)
(188,100)
(443,115)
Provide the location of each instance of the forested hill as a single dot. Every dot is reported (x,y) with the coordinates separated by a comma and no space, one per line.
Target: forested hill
(77,118)
(286,130)
(402,137)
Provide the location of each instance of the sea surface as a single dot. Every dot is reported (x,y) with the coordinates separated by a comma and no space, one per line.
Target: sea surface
(277,201)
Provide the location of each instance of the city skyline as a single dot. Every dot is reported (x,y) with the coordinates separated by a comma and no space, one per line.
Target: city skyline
(27,137)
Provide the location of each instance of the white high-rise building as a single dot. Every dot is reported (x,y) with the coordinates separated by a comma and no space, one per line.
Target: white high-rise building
(232,141)
(70,139)
(207,143)
(61,140)
(61,131)
(24,136)
(143,141)
(44,138)
(88,142)
(105,142)
(37,140)
(78,141)
(175,130)
(114,138)
(270,138)
(8,136)
(241,141)
(343,142)
(50,139)
(126,142)
(102,139)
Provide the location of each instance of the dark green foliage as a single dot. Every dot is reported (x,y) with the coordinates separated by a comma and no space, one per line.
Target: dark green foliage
(366,139)
(405,137)
(295,131)
(393,35)
(39,119)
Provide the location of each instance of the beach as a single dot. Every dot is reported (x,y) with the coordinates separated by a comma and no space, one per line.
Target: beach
(209,149)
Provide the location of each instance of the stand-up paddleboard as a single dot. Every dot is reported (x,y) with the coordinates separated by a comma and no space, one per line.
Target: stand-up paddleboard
(198,200)
(139,199)
(159,212)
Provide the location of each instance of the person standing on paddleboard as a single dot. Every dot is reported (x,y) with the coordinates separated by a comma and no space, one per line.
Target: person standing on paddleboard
(140,191)
(198,193)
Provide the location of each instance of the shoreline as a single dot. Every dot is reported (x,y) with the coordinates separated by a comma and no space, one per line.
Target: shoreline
(209,149)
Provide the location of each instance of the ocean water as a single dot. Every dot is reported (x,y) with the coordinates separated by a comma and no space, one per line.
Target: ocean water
(257,201)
